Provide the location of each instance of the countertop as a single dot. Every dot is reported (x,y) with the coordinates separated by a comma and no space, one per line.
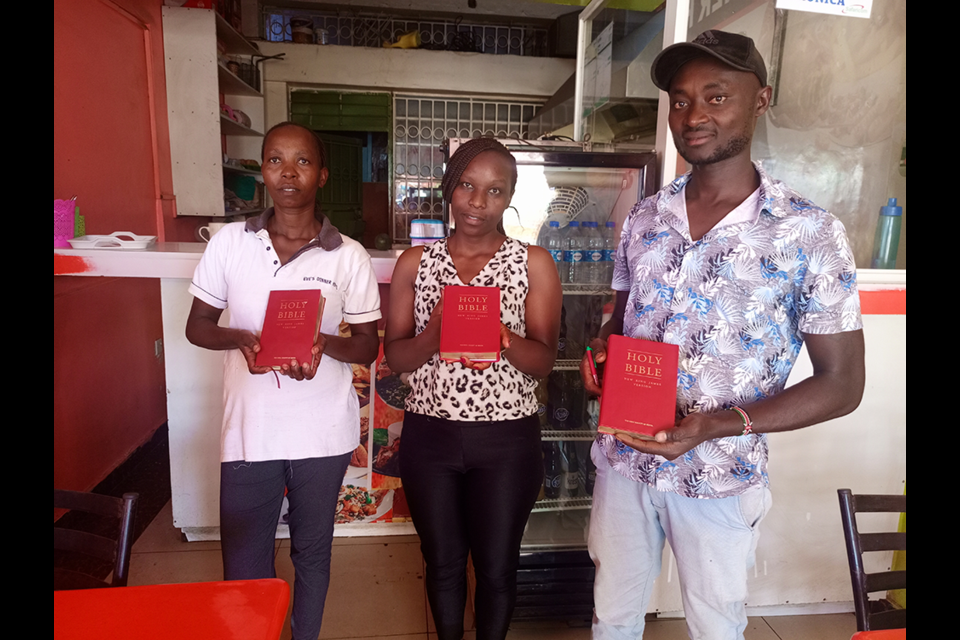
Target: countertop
(166,260)
(179,260)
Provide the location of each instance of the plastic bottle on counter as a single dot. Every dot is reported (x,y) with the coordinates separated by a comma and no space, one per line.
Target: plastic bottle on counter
(572,254)
(887,239)
(609,249)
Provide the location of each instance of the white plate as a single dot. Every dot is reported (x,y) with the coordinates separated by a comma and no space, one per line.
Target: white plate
(116,240)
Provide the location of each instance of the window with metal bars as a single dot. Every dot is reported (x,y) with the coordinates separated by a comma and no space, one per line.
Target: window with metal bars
(372,30)
(421,123)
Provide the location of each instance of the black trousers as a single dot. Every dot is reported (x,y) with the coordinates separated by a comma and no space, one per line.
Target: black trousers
(251,494)
(470,487)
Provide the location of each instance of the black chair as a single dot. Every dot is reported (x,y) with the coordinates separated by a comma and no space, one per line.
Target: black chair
(115,549)
(873,614)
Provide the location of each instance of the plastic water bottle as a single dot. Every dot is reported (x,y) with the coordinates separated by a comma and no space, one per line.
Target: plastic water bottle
(553,242)
(887,238)
(572,254)
(609,249)
(593,254)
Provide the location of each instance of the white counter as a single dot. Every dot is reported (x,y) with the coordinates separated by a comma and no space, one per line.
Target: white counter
(165,260)
(194,376)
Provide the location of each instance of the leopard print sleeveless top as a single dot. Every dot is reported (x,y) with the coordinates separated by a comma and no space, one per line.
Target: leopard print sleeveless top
(450,390)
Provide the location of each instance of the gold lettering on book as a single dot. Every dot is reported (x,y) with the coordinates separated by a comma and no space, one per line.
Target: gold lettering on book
(640,356)
(639,369)
(292,310)
(472,303)
(640,363)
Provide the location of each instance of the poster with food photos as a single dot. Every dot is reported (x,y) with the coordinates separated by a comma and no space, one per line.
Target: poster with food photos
(371,491)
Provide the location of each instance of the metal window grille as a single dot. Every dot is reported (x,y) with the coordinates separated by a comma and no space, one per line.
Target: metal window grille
(420,125)
(373,30)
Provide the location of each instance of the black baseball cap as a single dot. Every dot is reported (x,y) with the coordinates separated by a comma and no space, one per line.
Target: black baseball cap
(731,49)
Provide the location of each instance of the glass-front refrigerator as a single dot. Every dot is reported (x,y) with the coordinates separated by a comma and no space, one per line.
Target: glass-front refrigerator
(574,204)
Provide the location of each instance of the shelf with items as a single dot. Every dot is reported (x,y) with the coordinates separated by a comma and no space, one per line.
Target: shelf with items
(568,417)
(197,45)
(570,289)
(567,364)
(241,170)
(233,128)
(562,504)
(232,39)
(233,84)
(580,435)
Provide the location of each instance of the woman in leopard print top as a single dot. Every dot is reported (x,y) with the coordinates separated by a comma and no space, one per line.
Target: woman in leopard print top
(470,459)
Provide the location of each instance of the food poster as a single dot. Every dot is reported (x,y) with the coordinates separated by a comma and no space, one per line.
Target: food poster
(390,391)
(371,491)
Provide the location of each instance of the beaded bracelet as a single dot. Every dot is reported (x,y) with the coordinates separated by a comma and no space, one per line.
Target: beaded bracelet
(747,424)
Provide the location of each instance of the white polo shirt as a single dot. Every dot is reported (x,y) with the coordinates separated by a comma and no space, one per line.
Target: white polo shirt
(303,418)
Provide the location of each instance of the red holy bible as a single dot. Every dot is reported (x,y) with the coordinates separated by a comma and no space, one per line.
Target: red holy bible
(470,326)
(290,327)
(639,387)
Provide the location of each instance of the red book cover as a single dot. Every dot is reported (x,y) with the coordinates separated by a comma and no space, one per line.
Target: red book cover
(470,324)
(639,387)
(290,327)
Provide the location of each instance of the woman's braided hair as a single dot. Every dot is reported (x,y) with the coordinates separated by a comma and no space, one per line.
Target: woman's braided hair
(462,158)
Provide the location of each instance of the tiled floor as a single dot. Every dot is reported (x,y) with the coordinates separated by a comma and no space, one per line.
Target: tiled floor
(377,591)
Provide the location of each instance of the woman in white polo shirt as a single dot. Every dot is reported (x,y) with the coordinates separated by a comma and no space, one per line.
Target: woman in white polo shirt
(294,433)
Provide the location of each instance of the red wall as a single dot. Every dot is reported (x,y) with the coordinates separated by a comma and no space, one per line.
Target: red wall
(108,388)
(112,151)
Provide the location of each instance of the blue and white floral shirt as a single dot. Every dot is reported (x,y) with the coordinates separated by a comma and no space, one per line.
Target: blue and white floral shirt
(735,302)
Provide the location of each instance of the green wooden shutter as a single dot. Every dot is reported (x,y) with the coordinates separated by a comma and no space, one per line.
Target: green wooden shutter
(334,111)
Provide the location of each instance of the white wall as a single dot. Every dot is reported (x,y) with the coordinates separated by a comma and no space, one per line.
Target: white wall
(839,125)
(406,70)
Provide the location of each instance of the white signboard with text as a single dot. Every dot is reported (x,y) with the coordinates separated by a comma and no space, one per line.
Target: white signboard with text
(847,8)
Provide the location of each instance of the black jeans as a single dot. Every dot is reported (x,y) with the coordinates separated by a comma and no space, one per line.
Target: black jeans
(251,494)
(470,487)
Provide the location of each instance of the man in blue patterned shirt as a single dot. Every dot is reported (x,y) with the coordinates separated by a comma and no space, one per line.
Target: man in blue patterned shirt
(739,271)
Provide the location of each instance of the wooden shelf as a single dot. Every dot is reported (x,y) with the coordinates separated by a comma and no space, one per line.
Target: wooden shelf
(197,83)
(233,128)
(231,84)
(233,39)
(241,170)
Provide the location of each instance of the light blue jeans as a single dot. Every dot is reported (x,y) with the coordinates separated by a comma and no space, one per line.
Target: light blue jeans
(714,542)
